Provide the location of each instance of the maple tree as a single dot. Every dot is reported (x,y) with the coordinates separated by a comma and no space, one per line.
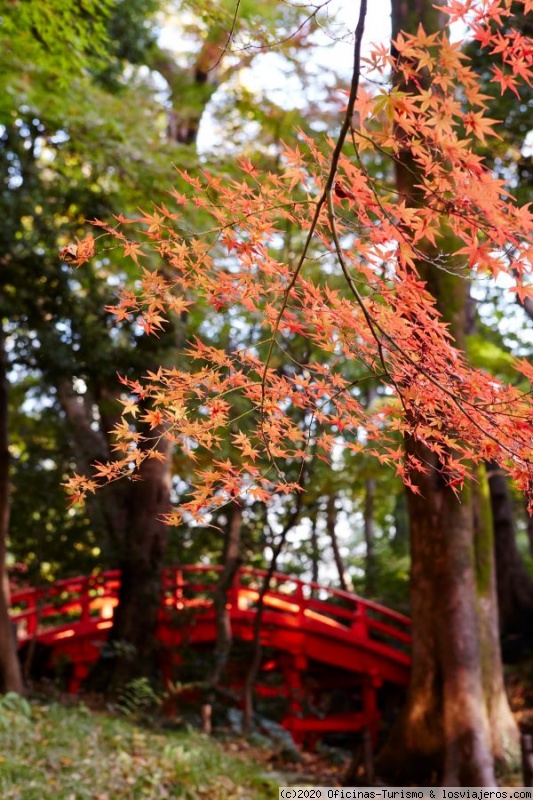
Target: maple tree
(395,248)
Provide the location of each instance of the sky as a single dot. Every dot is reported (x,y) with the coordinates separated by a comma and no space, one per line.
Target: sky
(269,75)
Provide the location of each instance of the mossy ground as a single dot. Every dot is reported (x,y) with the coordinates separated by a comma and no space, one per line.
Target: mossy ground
(71,753)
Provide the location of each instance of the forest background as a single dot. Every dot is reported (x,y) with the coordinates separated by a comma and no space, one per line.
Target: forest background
(100,118)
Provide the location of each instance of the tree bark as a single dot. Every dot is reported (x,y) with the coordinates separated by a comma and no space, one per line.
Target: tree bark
(529,529)
(503,729)
(368,518)
(10,671)
(315,552)
(131,650)
(257,654)
(370,542)
(400,540)
(231,563)
(515,585)
(136,541)
(331,522)
(445,732)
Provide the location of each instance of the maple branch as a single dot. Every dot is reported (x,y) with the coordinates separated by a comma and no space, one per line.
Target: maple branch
(356,293)
(285,39)
(374,325)
(359,31)
(372,184)
(229,39)
(447,207)
(276,552)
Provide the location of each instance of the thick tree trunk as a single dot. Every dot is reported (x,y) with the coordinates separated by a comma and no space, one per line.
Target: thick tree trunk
(136,544)
(109,508)
(10,671)
(444,733)
(503,729)
(515,585)
(131,650)
(446,730)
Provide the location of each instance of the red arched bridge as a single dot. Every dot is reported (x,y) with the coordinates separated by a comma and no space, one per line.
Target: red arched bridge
(326,652)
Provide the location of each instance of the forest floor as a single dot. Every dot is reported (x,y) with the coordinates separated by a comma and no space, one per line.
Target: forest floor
(49,750)
(52,750)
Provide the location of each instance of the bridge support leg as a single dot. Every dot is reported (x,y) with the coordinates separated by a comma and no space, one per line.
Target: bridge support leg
(370,733)
(79,673)
(371,683)
(292,673)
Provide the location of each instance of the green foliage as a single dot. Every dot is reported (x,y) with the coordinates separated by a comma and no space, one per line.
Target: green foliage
(49,541)
(13,704)
(54,753)
(489,355)
(138,698)
(47,44)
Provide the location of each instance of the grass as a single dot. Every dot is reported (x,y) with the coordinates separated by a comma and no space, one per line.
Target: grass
(53,752)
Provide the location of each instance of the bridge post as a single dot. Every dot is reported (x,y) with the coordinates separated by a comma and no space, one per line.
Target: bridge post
(179,584)
(300,599)
(85,601)
(33,619)
(360,622)
(234,591)
(293,666)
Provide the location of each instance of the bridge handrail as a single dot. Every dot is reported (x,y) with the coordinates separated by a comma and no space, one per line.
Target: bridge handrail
(398,630)
(81,597)
(283,578)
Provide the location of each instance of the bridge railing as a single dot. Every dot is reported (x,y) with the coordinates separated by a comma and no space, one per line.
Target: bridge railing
(81,603)
(312,602)
(66,603)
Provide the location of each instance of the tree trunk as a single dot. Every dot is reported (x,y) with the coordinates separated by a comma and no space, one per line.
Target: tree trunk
(257,653)
(315,552)
(231,563)
(445,732)
(131,650)
(503,729)
(331,522)
(368,524)
(109,508)
(136,542)
(400,540)
(529,529)
(515,585)
(368,517)
(10,672)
